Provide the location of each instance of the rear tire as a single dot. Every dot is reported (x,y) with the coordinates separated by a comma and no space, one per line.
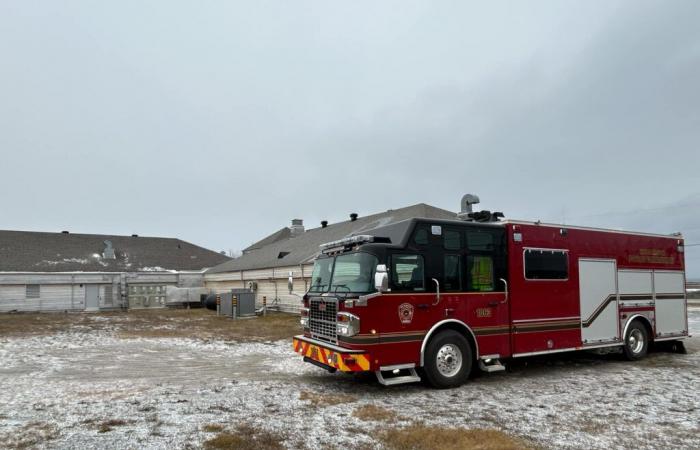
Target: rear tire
(636,341)
(448,360)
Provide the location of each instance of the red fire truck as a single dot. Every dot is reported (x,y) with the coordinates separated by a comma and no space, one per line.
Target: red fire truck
(439,298)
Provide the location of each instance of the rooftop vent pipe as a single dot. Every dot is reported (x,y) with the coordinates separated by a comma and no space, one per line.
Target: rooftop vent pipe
(134,235)
(108,252)
(466,205)
(297,227)
(353,217)
(480,216)
(324,223)
(65,232)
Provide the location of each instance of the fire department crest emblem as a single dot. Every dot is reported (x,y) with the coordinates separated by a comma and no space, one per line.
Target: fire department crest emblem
(406,313)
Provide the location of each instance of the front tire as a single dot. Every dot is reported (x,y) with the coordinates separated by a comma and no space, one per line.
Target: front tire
(636,341)
(448,360)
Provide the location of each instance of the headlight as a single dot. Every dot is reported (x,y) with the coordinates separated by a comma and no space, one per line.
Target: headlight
(348,324)
(304,320)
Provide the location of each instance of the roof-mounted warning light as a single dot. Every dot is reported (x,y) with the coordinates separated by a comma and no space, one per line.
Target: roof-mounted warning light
(350,240)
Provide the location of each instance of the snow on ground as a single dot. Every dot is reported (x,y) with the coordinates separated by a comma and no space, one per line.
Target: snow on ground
(167,389)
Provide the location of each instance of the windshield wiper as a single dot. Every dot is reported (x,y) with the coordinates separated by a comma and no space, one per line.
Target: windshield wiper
(343,286)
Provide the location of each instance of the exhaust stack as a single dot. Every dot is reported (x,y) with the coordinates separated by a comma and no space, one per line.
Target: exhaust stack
(467,201)
(469,215)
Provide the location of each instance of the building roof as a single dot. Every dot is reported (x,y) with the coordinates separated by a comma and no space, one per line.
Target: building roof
(279,235)
(303,248)
(28,251)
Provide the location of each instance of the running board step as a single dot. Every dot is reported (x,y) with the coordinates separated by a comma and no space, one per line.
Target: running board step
(411,377)
(493,366)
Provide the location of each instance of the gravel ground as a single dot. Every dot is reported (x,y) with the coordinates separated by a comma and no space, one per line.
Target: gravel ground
(59,390)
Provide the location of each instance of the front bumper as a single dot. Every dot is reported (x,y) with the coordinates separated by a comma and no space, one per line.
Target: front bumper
(343,359)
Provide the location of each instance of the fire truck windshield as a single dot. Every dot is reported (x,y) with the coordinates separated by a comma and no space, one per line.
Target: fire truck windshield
(352,272)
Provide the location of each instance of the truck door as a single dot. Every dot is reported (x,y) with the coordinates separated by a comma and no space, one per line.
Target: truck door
(486,285)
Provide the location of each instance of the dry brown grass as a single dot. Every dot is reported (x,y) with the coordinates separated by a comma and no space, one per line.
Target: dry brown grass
(374,413)
(164,323)
(213,428)
(326,399)
(422,437)
(246,437)
(108,425)
(31,435)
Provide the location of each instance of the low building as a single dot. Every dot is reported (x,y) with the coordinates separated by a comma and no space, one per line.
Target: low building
(77,272)
(264,267)
(692,289)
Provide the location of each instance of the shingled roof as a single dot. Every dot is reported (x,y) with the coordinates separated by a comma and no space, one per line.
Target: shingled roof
(291,251)
(28,251)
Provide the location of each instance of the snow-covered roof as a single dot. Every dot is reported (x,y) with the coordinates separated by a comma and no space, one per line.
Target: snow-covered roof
(28,251)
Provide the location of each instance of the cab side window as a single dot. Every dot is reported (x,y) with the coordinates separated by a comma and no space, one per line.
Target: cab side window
(407,273)
(452,240)
(480,273)
(452,280)
(420,235)
(482,250)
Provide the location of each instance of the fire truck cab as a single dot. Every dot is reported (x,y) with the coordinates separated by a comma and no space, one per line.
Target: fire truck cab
(439,298)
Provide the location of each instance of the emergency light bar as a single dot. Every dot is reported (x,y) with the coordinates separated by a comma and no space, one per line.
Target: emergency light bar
(359,239)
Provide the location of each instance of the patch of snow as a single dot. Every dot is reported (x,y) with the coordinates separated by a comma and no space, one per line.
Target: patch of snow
(155,269)
(169,388)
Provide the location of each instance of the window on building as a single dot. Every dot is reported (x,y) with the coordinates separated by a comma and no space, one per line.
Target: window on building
(407,273)
(543,264)
(480,269)
(109,293)
(453,273)
(33,291)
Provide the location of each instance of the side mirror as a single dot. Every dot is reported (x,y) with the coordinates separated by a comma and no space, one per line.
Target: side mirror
(290,283)
(381,279)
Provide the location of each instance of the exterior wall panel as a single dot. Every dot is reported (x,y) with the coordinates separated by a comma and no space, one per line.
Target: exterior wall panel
(12,299)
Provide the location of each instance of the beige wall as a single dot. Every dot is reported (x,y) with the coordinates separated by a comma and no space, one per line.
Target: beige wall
(272,283)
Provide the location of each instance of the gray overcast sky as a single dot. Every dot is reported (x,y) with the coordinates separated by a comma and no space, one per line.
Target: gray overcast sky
(218,122)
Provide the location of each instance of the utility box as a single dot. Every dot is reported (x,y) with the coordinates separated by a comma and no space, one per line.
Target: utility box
(144,296)
(245,303)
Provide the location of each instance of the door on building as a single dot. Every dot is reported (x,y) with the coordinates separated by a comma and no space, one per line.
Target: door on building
(92,297)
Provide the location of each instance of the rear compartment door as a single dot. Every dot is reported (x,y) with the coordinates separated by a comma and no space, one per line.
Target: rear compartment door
(598,297)
(669,296)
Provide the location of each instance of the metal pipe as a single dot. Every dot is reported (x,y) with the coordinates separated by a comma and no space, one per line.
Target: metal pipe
(437,284)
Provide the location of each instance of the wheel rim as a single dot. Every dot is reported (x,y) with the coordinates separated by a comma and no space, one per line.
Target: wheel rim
(449,360)
(635,341)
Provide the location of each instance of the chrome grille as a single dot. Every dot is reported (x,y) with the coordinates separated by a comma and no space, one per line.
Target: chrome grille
(322,318)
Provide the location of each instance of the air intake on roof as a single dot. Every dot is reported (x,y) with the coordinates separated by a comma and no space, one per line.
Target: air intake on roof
(297,227)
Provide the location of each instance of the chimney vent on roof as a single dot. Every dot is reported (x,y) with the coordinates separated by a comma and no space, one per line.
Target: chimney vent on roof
(134,235)
(108,252)
(65,232)
(353,217)
(297,227)
(324,223)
